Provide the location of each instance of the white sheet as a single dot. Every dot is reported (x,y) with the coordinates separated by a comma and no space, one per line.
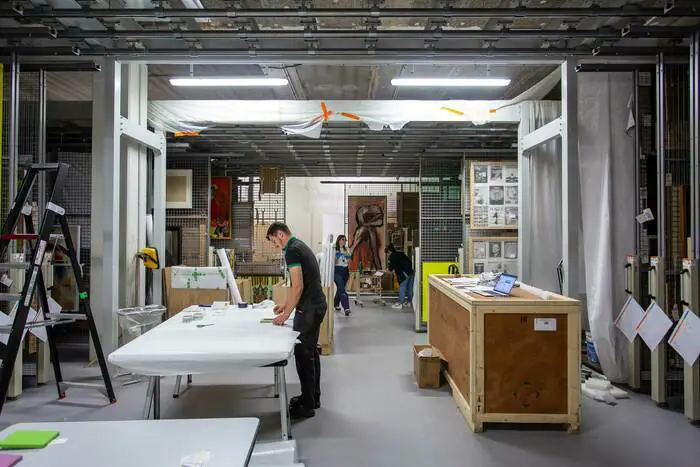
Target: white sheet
(235,338)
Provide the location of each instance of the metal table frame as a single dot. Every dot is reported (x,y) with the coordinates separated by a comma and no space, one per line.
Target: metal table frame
(152,403)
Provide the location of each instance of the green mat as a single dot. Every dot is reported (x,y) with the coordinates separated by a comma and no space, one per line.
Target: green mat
(28,439)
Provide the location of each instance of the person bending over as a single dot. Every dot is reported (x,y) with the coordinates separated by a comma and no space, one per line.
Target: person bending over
(310,303)
(402,267)
(342,274)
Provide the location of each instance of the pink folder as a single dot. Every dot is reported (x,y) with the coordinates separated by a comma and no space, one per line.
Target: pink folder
(8,460)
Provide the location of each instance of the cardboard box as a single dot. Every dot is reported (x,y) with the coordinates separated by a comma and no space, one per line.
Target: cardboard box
(245,288)
(426,369)
(177,300)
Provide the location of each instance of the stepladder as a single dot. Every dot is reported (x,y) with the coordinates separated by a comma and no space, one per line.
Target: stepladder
(33,296)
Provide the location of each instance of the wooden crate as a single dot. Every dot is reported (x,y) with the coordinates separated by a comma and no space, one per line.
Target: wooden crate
(510,359)
(325,339)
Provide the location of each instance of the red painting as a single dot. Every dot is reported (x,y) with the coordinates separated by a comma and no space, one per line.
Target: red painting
(220,208)
(366,229)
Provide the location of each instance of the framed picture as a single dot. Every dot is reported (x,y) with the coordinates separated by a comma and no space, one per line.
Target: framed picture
(493,196)
(367,232)
(493,254)
(178,189)
(220,208)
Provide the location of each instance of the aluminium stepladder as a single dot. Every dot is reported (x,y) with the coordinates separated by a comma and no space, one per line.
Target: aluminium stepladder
(34,281)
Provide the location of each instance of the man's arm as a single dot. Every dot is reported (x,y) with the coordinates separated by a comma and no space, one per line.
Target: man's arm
(297,287)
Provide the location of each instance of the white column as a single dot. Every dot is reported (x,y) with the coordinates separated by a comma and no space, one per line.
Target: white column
(571,198)
(524,194)
(159,171)
(104,240)
(134,173)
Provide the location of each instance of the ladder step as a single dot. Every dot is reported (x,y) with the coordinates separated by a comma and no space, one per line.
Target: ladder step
(10,297)
(19,237)
(45,166)
(70,384)
(8,266)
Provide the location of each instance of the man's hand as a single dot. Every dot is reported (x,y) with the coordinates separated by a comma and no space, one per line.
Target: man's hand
(281,318)
(278,309)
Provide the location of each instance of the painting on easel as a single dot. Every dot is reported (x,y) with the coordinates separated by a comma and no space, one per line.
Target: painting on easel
(220,208)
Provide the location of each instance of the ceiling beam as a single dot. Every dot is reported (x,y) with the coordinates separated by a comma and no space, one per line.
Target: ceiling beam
(628,11)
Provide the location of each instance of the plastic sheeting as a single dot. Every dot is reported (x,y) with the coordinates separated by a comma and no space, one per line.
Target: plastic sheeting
(219,342)
(606,160)
(307,117)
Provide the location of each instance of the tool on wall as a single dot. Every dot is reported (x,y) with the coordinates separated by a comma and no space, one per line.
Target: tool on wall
(34,281)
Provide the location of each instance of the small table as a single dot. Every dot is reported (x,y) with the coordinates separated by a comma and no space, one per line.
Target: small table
(142,443)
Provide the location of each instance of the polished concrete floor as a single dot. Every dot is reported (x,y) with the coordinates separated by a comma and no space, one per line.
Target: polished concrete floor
(374,415)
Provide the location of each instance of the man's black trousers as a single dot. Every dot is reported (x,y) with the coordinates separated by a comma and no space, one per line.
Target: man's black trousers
(308,324)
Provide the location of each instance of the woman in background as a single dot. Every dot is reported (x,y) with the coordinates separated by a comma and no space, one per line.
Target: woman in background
(342,274)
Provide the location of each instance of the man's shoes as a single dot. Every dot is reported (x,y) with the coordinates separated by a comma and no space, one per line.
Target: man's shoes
(296,401)
(397,306)
(299,411)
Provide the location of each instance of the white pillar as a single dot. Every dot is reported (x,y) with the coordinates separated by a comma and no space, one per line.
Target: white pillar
(159,171)
(134,186)
(104,224)
(571,193)
(524,197)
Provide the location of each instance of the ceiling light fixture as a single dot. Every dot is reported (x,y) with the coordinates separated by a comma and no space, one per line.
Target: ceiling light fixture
(231,82)
(451,82)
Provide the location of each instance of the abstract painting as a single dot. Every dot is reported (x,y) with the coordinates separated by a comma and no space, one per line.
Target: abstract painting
(367,232)
(220,208)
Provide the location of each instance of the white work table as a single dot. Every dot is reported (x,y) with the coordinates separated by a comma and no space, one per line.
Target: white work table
(142,443)
(220,342)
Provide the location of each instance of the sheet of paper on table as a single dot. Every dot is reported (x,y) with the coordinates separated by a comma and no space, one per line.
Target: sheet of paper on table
(685,339)
(654,326)
(463,280)
(629,318)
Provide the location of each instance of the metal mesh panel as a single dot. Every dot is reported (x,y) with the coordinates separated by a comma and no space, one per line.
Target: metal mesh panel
(193,223)
(441,211)
(677,173)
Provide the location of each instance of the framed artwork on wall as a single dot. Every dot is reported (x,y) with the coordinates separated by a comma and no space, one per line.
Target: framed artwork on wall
(178,189)
(220,208)
(367,232)
(494,195)
(493,254)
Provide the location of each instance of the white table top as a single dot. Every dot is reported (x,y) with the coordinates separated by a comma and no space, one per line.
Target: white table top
(218,343)
(142,443)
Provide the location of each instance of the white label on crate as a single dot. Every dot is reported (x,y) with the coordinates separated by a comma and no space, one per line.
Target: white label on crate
(40,253)
(32,281)
(545,324)
(6,281)
(55,208)
(27,209)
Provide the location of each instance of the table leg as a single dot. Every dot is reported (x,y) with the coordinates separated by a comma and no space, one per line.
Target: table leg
(277,383)
(156,398)
(189,379)
(176,391)
(149,400)
(284,403)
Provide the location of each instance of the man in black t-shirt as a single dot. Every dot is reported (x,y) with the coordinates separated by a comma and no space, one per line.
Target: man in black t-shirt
(307,297)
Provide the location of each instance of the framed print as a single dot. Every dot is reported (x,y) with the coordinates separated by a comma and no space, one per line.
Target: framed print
(494,192)
(178,189)
(367,232)
(493,254)
(220,208)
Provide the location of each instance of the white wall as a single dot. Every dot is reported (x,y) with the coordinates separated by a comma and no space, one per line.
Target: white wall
(312,207)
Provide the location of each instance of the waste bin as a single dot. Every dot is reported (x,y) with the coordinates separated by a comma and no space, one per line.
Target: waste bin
(138,320)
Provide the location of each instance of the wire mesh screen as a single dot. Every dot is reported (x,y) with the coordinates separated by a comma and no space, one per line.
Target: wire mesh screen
(441,219)
(188,228)
(677,174)
(252,214)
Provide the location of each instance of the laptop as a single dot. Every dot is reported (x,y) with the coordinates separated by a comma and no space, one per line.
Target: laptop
(505,284)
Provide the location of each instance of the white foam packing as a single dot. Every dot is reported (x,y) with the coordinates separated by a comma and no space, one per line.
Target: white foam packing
(229,338)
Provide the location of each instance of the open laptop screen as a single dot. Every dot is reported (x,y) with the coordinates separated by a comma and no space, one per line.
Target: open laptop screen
(505,283)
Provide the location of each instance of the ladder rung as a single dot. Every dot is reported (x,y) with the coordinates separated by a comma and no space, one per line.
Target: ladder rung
(19,236)
(8,266)
(45,166)
(70,384)
(10,297)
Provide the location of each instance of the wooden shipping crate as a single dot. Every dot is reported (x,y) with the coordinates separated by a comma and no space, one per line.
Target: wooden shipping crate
(510,359)
(325,339)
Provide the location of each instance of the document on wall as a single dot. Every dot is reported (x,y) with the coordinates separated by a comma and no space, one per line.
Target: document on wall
(654,326)
(629,318)
(685,339)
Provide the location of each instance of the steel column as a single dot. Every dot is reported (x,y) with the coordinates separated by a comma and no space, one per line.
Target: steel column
(524,197)
(105,248)
(571,193)
(41,156)
(658,355)
(13,137)
(691,374)
(159,172)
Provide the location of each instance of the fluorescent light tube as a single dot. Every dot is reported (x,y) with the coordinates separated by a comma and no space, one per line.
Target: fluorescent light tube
(242,82)
(451,82)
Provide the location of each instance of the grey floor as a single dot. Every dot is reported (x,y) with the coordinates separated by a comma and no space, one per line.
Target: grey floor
(373,414)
